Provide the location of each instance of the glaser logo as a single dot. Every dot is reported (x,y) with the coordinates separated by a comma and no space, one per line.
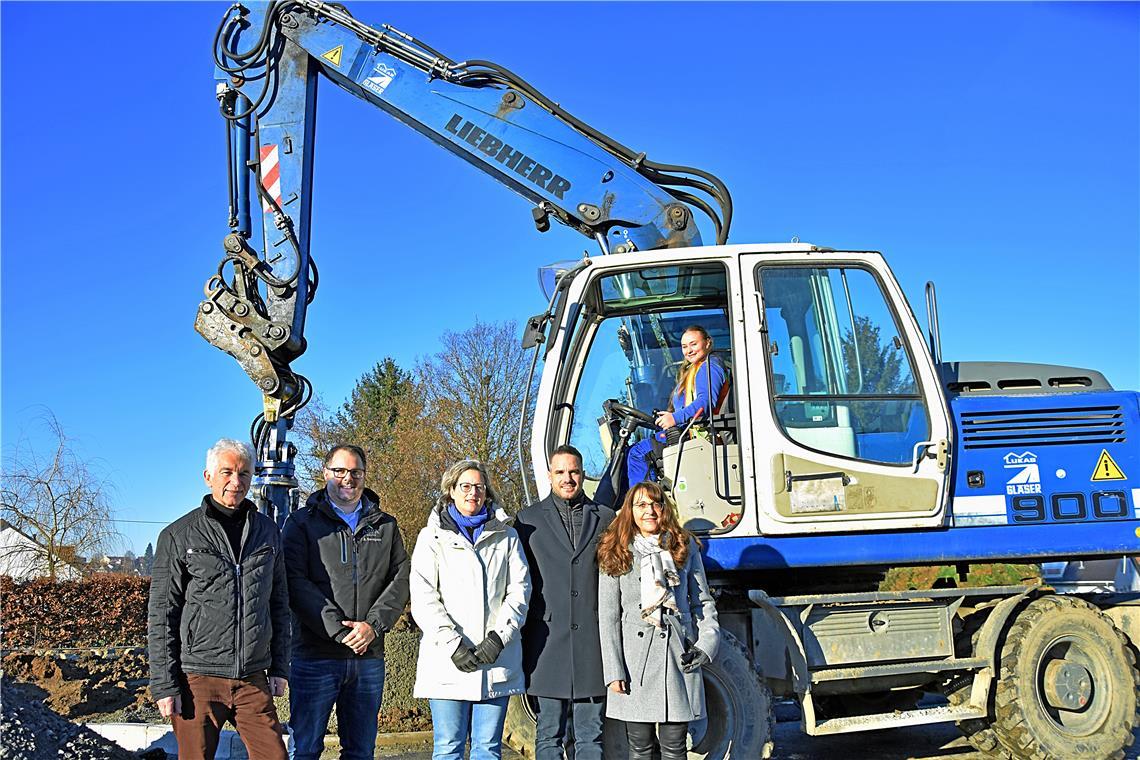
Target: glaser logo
(1028,478)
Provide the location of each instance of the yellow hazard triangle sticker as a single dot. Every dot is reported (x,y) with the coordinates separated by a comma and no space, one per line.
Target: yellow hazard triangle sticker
(1107,469)
(333,56)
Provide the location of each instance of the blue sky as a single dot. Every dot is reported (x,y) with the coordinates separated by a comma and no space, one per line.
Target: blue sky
(993,148)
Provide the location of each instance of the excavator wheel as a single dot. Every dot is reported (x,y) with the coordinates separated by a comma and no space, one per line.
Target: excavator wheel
(518,730)
(738,708)
(1069,686)
(978,731)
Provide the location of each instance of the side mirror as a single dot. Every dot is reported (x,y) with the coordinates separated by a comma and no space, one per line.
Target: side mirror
(534,333)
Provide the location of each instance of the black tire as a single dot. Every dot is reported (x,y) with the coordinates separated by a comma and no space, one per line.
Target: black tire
(518,731)
(738,709)
(1104,685)
(979,732)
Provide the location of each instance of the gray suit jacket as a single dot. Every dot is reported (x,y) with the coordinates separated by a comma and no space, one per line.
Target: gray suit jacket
(561,652)
(649,658)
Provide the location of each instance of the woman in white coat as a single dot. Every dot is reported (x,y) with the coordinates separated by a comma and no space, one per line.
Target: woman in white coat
(657,621)
(469,588)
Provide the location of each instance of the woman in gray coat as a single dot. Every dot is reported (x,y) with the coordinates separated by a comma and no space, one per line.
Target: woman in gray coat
(657,622)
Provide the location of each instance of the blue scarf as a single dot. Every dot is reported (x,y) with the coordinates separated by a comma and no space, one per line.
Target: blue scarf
(470,527)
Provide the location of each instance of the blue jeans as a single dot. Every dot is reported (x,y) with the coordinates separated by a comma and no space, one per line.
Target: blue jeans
(453,720)
(637,463)
(355,686)
(585,719)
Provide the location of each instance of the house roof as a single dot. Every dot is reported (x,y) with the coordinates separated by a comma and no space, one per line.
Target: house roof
(63,552)
(5,525)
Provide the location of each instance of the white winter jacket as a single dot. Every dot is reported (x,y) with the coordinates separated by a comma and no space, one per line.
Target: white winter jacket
(459,594)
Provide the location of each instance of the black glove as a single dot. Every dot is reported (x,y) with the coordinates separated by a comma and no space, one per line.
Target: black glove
(489,649)
(694,660)
(465,659)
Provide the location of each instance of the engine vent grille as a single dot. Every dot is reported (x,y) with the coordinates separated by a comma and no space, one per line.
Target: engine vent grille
(1043,427)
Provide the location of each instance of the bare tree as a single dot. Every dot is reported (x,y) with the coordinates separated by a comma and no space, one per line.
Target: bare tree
(473,389)
(462,402)
(59,501)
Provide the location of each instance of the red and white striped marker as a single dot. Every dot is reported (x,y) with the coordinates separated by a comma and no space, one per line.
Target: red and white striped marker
(270,176)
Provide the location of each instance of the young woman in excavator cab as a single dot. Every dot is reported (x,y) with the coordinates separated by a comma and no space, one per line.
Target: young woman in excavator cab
(702,386)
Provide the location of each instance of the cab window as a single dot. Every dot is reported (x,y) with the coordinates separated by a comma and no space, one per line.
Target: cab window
(629,344)
(841,379)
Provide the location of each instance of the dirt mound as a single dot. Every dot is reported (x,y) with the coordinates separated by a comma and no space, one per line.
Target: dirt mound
(33,732)
(111,685)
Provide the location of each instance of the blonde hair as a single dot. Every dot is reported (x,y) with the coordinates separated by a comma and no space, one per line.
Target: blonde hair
(686,365)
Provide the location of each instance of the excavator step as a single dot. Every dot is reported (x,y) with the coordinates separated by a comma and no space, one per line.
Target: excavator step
(897,668)
(917,717)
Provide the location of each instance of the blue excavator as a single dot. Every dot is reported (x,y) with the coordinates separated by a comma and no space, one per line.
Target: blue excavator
(847,444)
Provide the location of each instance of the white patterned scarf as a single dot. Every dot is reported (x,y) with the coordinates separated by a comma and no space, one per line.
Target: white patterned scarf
(658,579)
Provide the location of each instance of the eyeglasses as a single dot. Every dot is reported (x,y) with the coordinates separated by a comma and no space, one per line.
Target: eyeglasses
(649,505)
(340,472)
(466,487)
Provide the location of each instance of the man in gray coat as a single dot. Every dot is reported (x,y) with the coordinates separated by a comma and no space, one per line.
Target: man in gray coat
(562,656)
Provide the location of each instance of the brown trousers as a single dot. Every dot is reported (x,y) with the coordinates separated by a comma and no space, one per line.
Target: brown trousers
(208,702)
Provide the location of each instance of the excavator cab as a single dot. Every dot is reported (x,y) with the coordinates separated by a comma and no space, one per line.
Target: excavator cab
(834,421)
(621,365)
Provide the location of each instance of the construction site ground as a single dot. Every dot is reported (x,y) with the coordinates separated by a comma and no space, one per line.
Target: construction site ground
(110,687)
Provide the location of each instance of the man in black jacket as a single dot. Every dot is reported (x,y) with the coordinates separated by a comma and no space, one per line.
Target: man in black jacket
(348,584)
(219,616)
(562,655)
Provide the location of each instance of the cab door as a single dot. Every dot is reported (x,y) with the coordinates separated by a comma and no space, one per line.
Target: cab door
(850,426)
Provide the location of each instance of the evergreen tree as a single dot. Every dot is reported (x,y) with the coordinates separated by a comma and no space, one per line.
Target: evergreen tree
(148,559)
(368,419)
(461,402)
(876,367)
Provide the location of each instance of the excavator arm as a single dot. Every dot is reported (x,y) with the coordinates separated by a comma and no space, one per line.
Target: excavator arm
(270,58)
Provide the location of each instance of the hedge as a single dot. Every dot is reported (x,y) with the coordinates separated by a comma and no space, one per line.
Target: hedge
(101,610)
(106,610)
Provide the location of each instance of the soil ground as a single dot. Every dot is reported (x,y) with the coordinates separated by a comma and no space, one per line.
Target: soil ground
(91,686)
(101,687)
(110,686)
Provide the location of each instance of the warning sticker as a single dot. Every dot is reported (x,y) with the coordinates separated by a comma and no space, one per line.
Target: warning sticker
(333,56)
(1107,469)
(821,495)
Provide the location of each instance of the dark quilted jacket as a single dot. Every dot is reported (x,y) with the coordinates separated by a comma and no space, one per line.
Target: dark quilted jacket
(211,613)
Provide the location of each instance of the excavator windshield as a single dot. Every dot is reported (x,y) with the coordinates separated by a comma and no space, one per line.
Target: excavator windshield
(628,345)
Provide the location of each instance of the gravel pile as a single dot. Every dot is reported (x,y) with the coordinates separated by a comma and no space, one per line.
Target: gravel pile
(30,731)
